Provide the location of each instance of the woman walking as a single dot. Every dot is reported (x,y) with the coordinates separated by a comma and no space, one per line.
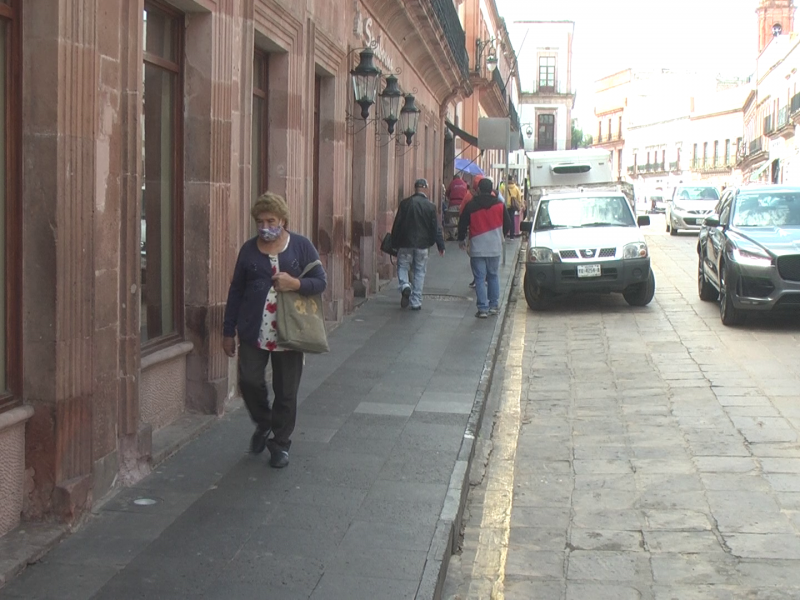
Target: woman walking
(269,263)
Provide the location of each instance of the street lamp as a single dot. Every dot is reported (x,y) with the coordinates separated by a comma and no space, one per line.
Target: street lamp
(365,81)
(529,131)
(409,118)
(390,103)
(491,58)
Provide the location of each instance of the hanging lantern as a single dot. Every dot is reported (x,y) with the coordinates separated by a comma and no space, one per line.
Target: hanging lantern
(390,103)
(365,81)
(409,118)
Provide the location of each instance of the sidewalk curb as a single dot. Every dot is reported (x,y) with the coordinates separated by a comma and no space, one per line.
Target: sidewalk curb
(445,536)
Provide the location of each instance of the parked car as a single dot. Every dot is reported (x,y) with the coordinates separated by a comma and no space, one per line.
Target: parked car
(587,241)
(689,205)
(749,252)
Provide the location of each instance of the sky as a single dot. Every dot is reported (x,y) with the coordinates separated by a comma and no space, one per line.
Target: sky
(716,36)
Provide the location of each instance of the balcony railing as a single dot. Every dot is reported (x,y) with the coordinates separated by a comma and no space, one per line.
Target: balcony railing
(795,103)
(755,146)
(447,16)
(673,166)
(512,113)
(768,125)
(631,170)
(498,80)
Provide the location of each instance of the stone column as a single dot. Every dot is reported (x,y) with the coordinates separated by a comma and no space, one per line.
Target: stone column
(208,205)
(60,75)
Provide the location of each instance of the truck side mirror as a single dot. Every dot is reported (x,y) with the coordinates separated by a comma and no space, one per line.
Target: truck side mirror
(643,220)
(526,226)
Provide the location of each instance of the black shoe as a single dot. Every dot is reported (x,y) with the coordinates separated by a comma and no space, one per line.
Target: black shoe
(404,298)
(259,441)
(482,314)
(278,458)
(416,308)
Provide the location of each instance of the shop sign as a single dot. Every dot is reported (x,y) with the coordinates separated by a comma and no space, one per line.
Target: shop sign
(371,35)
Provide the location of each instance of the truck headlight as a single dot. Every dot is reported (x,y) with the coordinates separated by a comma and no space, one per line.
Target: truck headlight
(540,255)
(635,250)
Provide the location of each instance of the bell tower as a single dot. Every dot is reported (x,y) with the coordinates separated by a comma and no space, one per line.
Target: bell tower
(775,17)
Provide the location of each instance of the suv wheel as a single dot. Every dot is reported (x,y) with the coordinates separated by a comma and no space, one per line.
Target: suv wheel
(536,296)
(672,230)
(641,294)
(706,291)
(728,313)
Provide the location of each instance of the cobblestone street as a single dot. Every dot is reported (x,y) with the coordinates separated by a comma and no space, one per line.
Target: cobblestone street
(652,452)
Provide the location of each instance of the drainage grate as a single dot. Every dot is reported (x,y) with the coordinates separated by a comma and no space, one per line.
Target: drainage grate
(446,297)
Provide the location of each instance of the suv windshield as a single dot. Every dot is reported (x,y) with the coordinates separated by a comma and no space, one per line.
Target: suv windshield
(612,211)
(696,193)
(767,210)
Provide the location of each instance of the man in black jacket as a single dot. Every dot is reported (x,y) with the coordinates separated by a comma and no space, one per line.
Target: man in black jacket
(416,228)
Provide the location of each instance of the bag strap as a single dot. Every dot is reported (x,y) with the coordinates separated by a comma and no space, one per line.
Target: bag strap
(309,267)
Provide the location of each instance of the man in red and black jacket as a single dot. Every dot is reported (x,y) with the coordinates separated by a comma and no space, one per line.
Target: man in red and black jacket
(487,220)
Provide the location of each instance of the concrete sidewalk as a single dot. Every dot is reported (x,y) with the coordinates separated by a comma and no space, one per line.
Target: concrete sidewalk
(369,503)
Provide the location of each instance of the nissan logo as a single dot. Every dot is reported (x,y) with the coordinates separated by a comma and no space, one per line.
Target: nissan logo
(587,253)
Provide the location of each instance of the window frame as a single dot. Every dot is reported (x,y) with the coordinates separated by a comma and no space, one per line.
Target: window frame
(11,397)
(547,69)
(261,69)
(163,341)
(551,124)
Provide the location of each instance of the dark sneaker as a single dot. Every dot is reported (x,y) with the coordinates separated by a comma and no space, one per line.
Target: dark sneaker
(482,314)
(472,285)
(259,441)
(416,308)
(404,297)
(279,458)
(494,311)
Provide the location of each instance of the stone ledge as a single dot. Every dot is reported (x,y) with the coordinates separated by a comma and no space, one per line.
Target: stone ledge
(17,415)
(171,438)
(26,545)
(166,354)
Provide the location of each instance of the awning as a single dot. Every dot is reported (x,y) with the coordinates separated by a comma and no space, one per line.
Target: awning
(470,139)
(760,170)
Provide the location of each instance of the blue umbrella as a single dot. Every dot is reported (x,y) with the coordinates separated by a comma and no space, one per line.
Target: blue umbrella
(467,166)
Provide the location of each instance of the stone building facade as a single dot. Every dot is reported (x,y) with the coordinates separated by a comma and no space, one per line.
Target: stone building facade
(137,135)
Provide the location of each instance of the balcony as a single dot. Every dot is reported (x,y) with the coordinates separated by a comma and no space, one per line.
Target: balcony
(497,78)
(673,166)
(769,125)
(755,146)
(608,138)
(447,15)
(631,170)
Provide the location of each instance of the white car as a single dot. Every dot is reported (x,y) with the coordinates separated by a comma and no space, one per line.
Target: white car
(587,242)
(689,206)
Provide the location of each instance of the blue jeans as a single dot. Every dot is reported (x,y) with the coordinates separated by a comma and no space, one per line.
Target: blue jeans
(484,269)
(416,261)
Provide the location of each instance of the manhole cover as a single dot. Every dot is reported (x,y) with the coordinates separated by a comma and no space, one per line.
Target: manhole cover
(446,297)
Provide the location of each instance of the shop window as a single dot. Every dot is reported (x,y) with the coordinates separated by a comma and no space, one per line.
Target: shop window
(547,73)
(10,243)
(162,152)
(260,133)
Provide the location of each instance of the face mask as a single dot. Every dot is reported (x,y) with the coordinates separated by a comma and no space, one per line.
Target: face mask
(270,234)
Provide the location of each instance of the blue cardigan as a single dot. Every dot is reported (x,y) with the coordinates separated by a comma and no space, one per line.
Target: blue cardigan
(252,280)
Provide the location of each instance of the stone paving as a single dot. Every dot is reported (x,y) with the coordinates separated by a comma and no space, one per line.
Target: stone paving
(358,512)
(657,453)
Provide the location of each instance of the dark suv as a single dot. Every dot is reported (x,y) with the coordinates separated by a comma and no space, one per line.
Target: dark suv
(749,251)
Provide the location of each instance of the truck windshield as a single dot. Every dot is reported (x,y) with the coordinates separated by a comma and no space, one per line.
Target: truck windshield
(601,211)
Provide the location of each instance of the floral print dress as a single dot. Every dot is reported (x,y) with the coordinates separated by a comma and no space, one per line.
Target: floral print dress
(268,334)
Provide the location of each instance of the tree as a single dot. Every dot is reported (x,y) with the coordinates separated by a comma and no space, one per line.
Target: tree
(578,139)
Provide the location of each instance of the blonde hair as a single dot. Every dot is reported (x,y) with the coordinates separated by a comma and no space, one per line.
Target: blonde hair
(271,203)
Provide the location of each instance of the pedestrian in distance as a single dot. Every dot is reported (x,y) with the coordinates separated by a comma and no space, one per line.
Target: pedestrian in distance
(415,229)
(487,221)
(269,263)
(513,196)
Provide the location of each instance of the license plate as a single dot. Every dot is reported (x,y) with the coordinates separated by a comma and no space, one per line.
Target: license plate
(589,271)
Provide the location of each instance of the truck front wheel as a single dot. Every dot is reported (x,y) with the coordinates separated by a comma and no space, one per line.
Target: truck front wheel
(537,297)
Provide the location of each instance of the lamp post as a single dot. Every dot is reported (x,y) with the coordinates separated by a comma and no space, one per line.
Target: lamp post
(390,103)
(409,118)
(365,81)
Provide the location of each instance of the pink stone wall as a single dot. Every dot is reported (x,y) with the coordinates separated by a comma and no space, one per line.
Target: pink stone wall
(12,466)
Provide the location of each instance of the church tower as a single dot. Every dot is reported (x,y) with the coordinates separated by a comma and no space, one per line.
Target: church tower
(774,16)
